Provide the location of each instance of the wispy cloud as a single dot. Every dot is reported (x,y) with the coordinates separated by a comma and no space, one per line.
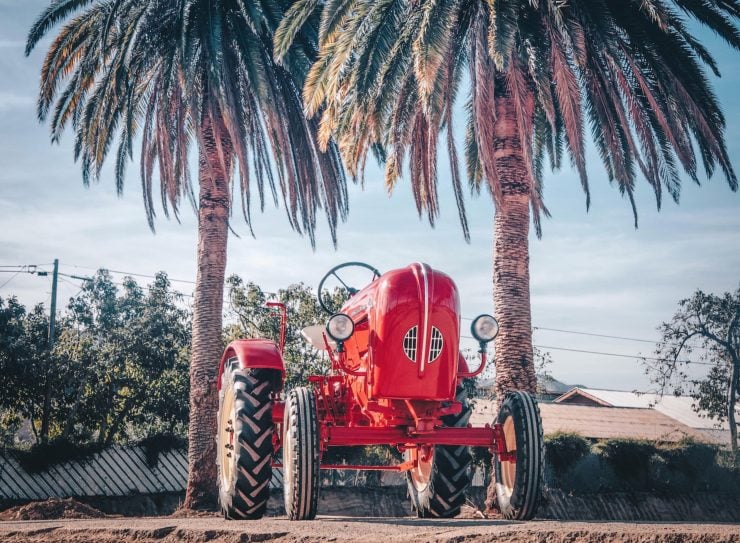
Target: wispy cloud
(10,101)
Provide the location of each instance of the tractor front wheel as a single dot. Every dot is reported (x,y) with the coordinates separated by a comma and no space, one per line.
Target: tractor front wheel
(245,442)
(519,483)
(301,454)
(441,475)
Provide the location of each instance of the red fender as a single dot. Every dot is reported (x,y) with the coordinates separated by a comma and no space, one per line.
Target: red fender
(253,353)
(462,365)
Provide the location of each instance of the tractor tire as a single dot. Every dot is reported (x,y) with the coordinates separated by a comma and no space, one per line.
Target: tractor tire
(519,484)
(244,442)
(301,454)
(438,488)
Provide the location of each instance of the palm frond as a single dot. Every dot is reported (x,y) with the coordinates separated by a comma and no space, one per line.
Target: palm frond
(387,75)
(192,75)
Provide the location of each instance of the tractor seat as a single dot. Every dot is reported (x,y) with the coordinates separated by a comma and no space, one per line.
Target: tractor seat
(314,336)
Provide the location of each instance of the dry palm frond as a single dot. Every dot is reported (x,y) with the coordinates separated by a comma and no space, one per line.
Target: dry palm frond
(630,70)
(163,70)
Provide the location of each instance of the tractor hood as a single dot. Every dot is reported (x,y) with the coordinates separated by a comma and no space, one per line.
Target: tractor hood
(414,324)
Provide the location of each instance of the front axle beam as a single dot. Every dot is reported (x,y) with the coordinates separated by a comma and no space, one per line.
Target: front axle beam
(342,436)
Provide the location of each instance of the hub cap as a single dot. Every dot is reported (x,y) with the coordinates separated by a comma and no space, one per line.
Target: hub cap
(421,473)
(287,455)
(226,438)
(508,469)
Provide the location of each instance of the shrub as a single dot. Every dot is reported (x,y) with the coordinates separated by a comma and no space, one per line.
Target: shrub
(727,459)
(564,450)
(629,458)
(619,465)
(688,456)
(42,456)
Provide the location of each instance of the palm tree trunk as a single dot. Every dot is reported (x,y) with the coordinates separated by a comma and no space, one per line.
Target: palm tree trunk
(514,355)
(207,345)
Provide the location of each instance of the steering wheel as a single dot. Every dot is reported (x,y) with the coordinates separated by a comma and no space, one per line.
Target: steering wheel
(351,291)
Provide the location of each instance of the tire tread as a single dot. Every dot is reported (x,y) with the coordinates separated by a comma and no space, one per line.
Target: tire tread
(252,453)
(451,473)
(527,492)
(301,419)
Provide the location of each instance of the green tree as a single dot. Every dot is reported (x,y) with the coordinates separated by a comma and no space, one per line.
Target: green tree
(389,72)
(254,320)
(130,352)
(177,74)
(708,327)
(29,372)
(12,358)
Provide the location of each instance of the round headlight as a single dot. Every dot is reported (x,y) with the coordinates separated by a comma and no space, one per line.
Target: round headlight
(340,327)
(484,328)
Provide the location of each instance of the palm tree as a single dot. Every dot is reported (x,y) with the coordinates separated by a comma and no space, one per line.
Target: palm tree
(536,71)
(178,74)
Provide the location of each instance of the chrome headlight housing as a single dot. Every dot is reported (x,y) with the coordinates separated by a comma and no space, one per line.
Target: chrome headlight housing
(484,328)
(340,327)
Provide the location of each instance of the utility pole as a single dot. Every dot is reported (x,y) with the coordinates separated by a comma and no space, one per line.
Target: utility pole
(53,315)
(46,413)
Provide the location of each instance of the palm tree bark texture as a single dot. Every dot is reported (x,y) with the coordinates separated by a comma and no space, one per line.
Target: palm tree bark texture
(514,355)
(214,172)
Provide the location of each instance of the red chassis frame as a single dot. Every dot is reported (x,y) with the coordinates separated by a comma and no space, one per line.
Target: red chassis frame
(419,426)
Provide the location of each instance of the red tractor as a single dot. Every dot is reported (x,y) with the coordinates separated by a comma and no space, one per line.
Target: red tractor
(396,379)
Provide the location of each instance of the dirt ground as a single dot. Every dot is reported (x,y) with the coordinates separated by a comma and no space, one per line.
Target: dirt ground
(51,509)
(346,529)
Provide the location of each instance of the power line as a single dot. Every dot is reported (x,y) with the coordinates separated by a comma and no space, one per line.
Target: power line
(78,287)
(134,274)
(33,269)
(652,342)
(621,355)
(11,278)
(581,333)
(594,334)
(25,265)
(559,330)
(118,283)
(150,288)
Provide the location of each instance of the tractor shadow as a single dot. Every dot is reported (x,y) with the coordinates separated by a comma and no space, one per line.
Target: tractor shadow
(427,523)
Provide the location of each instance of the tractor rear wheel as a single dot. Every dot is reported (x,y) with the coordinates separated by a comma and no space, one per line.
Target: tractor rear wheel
(438,484)
(301,454)
(244,442)
(519,484)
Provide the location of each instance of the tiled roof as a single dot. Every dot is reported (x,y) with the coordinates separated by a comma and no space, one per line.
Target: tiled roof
(677,407)
(603,422)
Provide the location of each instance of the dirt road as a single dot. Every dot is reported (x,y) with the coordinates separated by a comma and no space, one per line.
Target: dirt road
(345,529)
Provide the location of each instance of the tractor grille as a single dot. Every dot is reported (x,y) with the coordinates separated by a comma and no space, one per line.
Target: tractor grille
(435,348)
(410,342)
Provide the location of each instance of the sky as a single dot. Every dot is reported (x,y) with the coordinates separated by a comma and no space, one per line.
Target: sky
(591,272)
